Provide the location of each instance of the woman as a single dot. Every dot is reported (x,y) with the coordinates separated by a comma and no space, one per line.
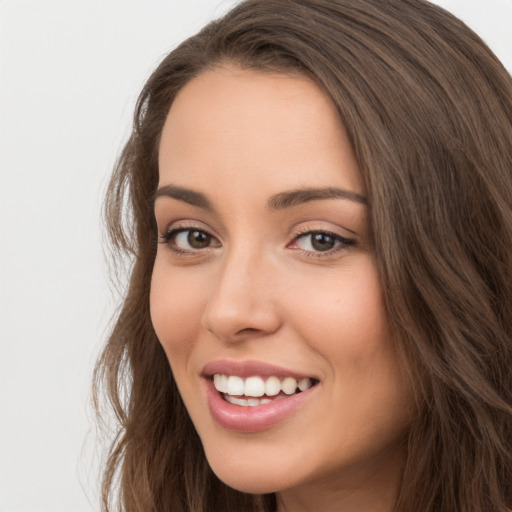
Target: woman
(317,196)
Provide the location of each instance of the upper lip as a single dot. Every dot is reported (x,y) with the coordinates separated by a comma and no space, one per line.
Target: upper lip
(249,369)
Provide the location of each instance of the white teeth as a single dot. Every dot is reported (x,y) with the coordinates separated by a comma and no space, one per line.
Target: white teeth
(254,386)
(305,384)
(272,386)
(247,402)
(236,401)
(221,382)
(289,385)
(224,383)
(235,385)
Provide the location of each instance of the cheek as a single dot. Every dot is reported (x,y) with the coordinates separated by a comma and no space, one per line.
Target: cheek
(176,305)
(344,320)
(343,315)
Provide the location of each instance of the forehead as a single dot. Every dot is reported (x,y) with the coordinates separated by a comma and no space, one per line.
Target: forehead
(229,125)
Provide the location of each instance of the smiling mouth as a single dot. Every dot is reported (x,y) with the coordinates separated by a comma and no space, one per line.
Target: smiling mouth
(255,391)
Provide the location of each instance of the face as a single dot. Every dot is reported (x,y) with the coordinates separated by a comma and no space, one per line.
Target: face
(265,293)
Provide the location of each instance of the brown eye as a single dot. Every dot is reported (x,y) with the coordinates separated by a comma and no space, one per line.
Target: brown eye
(189,240)
(317,241)
(322,241)
(198,239)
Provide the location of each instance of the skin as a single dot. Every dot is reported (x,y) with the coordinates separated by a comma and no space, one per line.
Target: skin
(259,290)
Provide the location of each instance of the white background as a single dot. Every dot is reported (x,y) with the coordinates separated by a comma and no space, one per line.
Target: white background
(70,72)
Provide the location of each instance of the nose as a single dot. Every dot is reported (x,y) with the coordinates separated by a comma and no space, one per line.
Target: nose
(243,303)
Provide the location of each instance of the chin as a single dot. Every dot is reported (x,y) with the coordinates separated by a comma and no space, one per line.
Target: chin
(251,478)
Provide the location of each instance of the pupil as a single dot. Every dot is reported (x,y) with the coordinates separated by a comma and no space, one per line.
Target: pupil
(198,239)
(322,242)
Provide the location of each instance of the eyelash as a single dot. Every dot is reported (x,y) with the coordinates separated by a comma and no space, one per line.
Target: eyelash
(343,242)
(169,237)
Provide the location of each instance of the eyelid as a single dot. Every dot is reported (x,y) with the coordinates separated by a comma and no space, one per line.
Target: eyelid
(308,228)
(178,227)
(344,244)
(183,225)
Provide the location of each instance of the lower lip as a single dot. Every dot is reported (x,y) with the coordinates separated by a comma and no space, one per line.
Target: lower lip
(253,419)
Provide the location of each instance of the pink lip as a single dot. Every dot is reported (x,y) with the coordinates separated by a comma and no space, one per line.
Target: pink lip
(251,419)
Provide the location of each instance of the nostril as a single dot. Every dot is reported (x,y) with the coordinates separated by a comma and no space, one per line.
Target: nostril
(248,330)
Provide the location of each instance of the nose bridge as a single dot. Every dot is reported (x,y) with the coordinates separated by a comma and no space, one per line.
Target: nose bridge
(241,301)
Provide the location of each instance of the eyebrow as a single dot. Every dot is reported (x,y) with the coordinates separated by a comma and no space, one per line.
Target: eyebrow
(278,201)
(183,194)
(304,195)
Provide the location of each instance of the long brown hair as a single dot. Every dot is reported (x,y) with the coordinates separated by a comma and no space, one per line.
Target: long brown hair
(428,109)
